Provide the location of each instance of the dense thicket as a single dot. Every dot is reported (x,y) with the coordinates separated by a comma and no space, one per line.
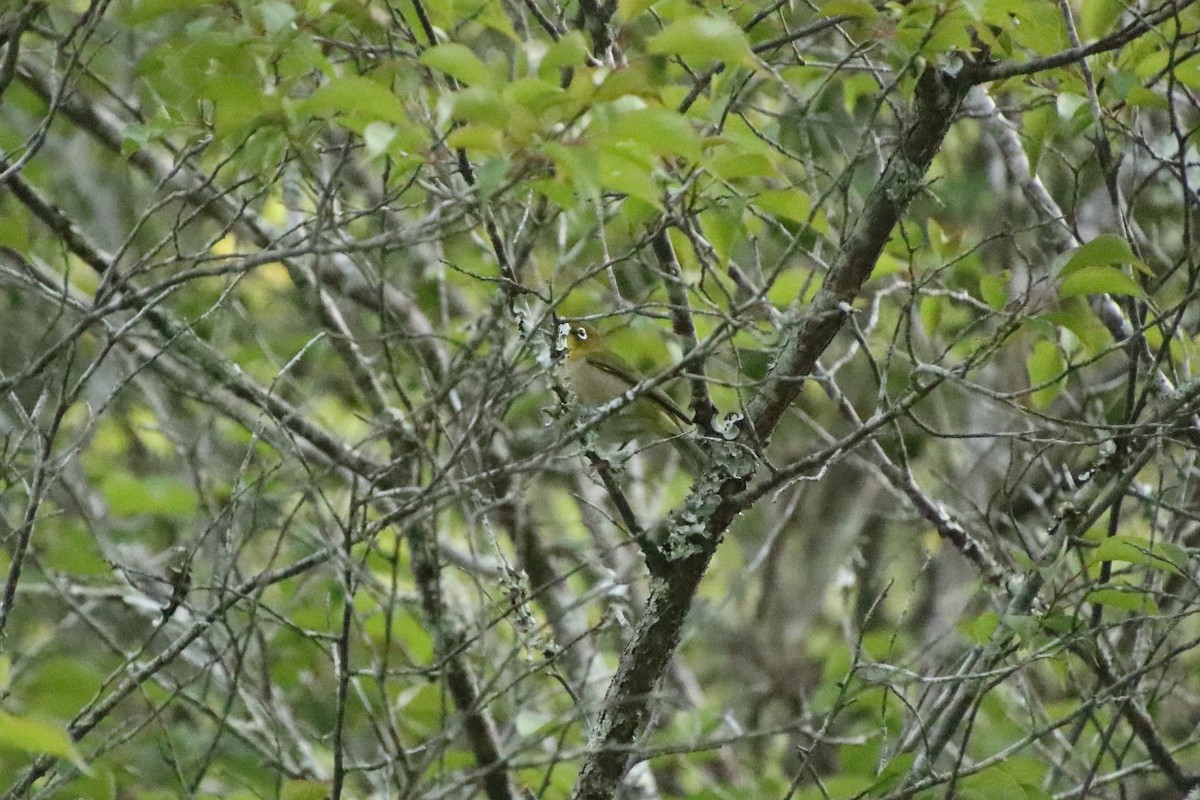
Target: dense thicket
(295,500)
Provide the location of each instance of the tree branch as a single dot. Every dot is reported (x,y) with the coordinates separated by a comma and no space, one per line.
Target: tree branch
(697,528)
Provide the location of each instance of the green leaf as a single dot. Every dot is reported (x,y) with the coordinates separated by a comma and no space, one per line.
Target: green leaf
(892,772)
(951,31)
(742,165)
(1099,280)
(931,312)
(490,175)
(555,191)
(993,288)
(1188,73)
(791,204)
(850,8)
(475,138)
(1144,98)
(1040,125)
(643,77)
(1103,251)
(133,138)
(723,228)
(1024,626)
(980,628)
(569,51)
(481,105)
(576,164)
(840,785)
(488,13)
(1059,624)
(664,131)
(101,784)
(1141,551)
(303,790)
(703,38)
(1152,64)
(1097,17)
(141,12)
(1038,27)
(1075,315)
(1124,600)
(859,759)
(886,264)
(621,171)
(992,784)
(943,242)
(237,101)
(457,61)
(60,685)
(358,97)
(1045,365)
(628,9)
(533,93)
(34,736)
(276,15)
(1069,105)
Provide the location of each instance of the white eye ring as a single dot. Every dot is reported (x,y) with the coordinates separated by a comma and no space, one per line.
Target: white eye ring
(581,334)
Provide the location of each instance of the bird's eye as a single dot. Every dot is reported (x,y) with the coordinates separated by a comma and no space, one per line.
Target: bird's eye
(581,334)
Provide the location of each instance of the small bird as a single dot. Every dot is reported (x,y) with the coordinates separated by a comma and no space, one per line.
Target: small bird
(599,375)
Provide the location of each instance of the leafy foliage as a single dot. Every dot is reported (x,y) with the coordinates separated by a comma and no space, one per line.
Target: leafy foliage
(296,500)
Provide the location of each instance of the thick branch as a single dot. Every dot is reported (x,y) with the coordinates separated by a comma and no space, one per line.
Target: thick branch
(698,527)
(938,98)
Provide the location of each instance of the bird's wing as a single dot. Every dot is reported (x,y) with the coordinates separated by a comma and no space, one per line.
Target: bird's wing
(657,395)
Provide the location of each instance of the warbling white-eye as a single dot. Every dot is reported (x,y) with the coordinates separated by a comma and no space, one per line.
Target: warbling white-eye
(598,374)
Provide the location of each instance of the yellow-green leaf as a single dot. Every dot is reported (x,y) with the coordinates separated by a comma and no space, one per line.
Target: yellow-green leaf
(791,204)
(475,138)
(1045,366)
(1124,600)
(620,172)
(722,227)
(703,38)
(743,165)
(931,312)
(664,131)
(1098,280)
(1103,251)
(1097,17)
(994,784)
(1188,73)
(457,61)
(850,8)
(481,105)
(357,96)
(993,288)
(534,94)
(1141,551)
(628,9)
(1144,98)
(569,51)
(980,629)
(35,736)
(304,790)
